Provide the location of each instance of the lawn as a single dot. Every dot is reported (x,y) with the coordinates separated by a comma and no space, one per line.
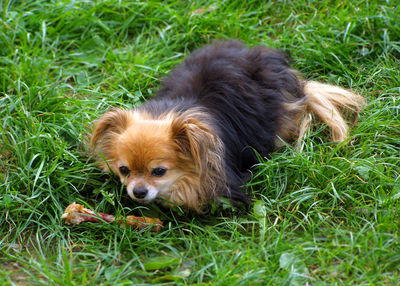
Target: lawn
(328,214)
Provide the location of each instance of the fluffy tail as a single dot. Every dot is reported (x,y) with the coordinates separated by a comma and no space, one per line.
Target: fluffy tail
(329,104)
(326,102)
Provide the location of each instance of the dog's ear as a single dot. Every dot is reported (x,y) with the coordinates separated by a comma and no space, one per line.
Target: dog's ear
(202,149)
(195,139)
(106,128)
(113,121)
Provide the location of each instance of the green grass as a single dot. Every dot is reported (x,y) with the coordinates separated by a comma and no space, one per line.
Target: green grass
(326,215)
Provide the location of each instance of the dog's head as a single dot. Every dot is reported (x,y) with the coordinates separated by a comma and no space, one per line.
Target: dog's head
(175,158)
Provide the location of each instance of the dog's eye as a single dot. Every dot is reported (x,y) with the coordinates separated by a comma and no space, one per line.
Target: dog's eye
(159,172)
(124,170)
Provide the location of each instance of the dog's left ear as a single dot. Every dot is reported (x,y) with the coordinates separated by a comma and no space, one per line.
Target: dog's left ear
(201,148)
(195,139)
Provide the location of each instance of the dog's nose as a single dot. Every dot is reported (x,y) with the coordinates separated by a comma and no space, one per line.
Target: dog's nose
(140,192)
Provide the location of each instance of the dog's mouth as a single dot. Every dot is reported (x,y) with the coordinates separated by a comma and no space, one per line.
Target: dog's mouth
(144,201)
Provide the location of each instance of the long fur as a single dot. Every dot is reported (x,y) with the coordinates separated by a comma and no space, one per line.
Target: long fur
(221,104)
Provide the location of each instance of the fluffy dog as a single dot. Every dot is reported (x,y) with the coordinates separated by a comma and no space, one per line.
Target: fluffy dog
(195,140)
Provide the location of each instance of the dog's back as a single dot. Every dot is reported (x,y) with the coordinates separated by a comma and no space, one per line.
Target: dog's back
(256,97)
(244,90)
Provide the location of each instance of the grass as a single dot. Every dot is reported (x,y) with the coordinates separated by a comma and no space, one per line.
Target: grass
(326,215)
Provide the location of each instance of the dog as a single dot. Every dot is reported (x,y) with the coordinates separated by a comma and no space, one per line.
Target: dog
(197,139)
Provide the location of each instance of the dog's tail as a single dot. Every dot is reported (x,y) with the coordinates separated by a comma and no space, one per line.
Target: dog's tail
(326,102)
(330,104)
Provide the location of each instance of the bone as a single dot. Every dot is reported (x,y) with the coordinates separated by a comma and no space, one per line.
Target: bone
(75,213)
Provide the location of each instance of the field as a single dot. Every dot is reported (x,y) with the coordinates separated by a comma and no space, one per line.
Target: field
(327,215)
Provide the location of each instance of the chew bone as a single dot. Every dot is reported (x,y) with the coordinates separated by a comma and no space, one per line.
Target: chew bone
(75,214)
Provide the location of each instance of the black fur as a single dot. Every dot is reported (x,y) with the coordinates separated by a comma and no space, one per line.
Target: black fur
(243,90)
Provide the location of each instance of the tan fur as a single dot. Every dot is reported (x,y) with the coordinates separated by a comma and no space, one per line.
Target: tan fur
(184,143)
(291,121)
(203,149)
(327,103)
(106,128)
